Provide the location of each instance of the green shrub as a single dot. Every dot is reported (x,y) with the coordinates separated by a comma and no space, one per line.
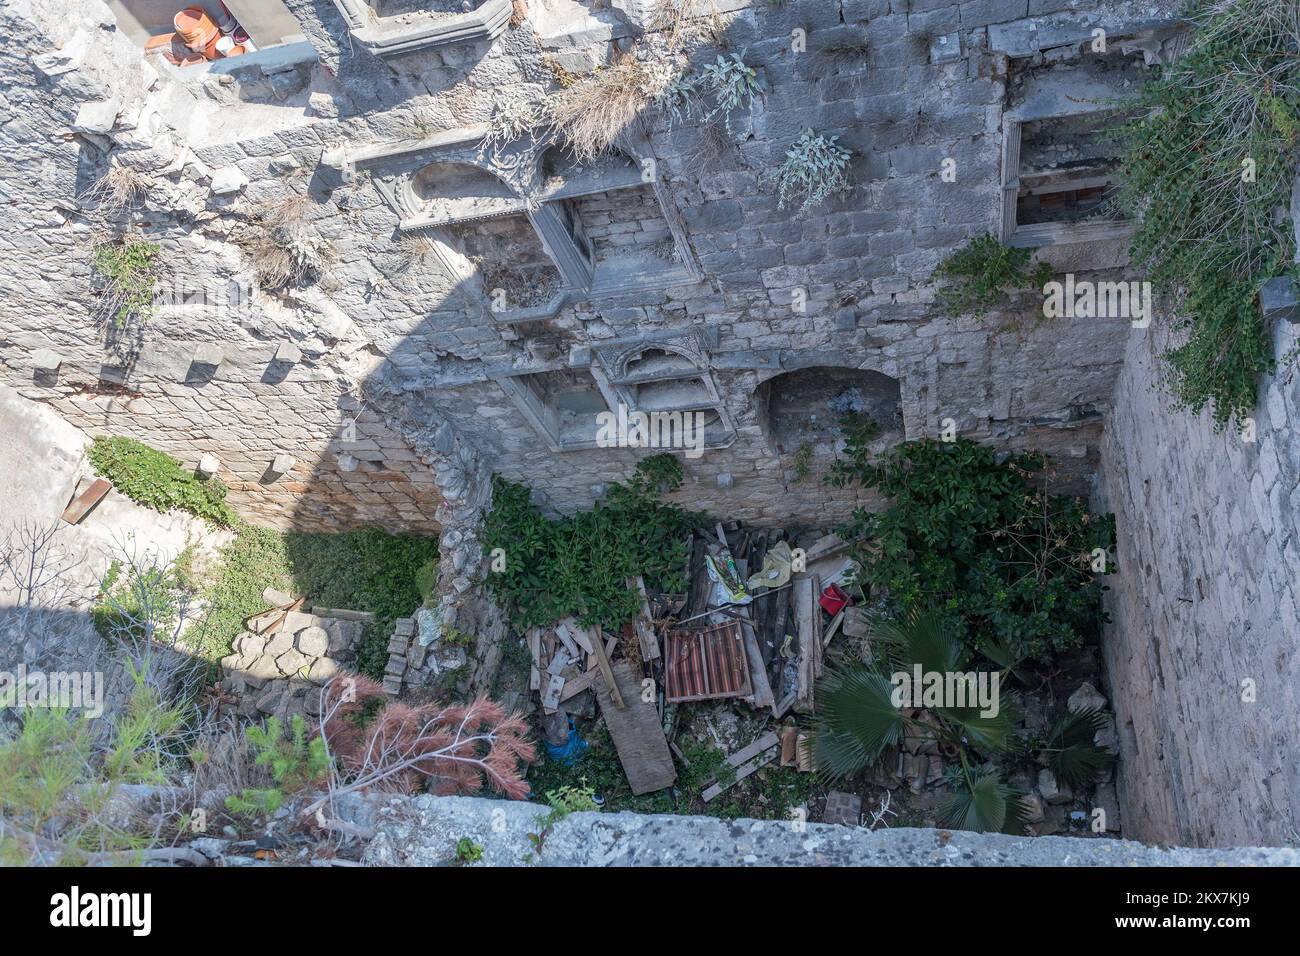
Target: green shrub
(58,781)
(815,168)
(981,273)
(155,480)
(982,539)
(294,761)
(467,851)
(579,566)
(138,606)
(1204,233)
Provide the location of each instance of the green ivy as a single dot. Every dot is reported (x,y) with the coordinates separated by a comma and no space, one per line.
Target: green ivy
(155,480)
(1204,232)
(580,565)
(981,538)
(981,273)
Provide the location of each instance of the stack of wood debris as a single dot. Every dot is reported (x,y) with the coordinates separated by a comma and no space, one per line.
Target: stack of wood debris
(752,628)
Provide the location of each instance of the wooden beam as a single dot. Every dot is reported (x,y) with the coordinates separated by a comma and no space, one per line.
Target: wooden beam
(535,649)
(562,632)
(602,661)
(577,632)
(741,773)
(832,628)
(551,699)
(573,686)
(81,505)
(645,631)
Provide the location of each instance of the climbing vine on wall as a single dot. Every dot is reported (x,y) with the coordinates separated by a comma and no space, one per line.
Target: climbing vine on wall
(580,565)
(1207,162)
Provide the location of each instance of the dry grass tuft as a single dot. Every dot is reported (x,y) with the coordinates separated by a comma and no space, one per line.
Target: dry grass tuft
(593,113)
(284,250)
(118,189)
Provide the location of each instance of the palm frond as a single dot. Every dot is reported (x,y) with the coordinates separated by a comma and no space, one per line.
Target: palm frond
(926,638)
(1072,756)
(858,721)
(984,803)
(986,734)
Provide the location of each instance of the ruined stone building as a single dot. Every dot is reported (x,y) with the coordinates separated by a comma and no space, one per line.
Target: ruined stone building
(457,303)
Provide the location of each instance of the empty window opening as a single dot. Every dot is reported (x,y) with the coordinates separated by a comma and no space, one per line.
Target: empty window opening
(510,261)
(1068,168)
(806,406)
(627,230)
(564,404)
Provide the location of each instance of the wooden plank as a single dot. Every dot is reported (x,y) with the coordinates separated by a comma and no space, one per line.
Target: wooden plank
(274,618)
(808,620)
(827,546)
(573,686)
(344,614)
(580,635)
(81,505)
(769,739)
(559,662)
(742,772)
(645,631)
(602,661)
(789,736)
(832,628)
(637,733)
(551,699)
(562,632)
(535,649)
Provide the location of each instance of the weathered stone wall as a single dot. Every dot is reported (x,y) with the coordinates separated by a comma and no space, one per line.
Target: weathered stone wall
(424,831)
(241,375)
(387,322)
(1201,651)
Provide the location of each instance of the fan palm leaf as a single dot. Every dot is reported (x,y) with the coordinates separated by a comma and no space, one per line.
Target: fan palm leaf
(858,721)
(1072,756)
(983,802)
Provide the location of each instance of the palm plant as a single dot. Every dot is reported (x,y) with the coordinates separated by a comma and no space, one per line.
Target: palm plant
(859,720)
(1070,752)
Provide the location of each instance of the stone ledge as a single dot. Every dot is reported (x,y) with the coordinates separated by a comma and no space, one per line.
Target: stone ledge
(424,830)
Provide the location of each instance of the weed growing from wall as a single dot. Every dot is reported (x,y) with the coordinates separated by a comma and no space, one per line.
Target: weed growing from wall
(129,273)
(1209,159)
(731,84)
(815,168)
(980,275)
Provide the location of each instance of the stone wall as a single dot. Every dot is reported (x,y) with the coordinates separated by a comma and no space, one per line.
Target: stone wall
(1201,651)
(388,324)
(424,831)
(220,367)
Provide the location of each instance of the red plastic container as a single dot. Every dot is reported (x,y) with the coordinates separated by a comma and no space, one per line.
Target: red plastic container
(834,599)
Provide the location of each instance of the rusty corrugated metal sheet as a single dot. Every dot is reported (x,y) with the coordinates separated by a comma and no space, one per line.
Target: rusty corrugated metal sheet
(707,664)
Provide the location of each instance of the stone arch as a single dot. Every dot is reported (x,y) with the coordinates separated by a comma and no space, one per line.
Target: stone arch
(804,406)
(453,190)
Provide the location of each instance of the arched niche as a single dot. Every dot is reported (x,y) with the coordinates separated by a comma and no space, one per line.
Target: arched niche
(805,406)
(449,192)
